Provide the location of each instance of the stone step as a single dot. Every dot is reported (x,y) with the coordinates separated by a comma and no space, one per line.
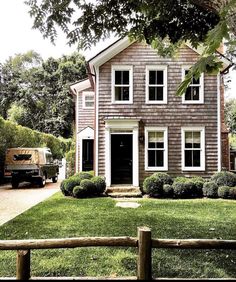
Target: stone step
(122,189)
(125,194)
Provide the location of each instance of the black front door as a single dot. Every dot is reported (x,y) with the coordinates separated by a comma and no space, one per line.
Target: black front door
(87,155)
(121,158)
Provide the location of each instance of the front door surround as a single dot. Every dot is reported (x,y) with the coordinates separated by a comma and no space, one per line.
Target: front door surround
(122,126)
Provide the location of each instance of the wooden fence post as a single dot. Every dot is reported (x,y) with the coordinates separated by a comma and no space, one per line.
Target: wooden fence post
(144,267)
(23,265)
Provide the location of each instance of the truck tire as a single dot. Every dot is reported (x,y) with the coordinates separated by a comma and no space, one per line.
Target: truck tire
(54,179)
(42,181)
(15,183)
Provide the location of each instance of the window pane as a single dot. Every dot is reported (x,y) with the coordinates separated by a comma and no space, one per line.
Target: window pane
(196,81)
(155,158)
(196,139)
(188,158)
(155,93)
(196,158)
(156,140)
(156,77)
(192,93)
(89,104)
(122,93)
(188,139)
(121,77)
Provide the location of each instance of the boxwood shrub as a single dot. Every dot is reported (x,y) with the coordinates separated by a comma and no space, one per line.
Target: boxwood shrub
(232,193)
(79,192)
(88,186)
(100,184)
(70,183)
(164,177)
(153,186)
(224,178)
(210,189)
(223,192)
(183,190)
(192,189)
(167,191)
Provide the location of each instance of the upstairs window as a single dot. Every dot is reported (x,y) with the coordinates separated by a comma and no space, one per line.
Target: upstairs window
(88,100)
(156,84)
(194,93)
(122,84)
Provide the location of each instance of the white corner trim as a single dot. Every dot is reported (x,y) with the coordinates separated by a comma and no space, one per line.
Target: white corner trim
(97,121)
(219,121)
(165,85)
(201,90)
(165,131)
(77,132)
(122,68)
(202,148)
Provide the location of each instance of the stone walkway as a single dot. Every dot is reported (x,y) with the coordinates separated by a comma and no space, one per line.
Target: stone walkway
(15,201)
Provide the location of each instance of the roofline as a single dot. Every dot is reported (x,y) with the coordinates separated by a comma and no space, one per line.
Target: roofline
(81,85)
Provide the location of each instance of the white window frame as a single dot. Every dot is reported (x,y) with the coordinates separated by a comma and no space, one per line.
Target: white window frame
(88,94)
(156,68)
(201,88)
(165,131)
(202,148)
(130,85)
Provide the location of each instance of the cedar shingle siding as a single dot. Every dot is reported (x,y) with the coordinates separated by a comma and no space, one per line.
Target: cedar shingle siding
(173,115)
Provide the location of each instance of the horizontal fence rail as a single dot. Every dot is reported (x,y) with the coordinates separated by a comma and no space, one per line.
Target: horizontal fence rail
(143,243)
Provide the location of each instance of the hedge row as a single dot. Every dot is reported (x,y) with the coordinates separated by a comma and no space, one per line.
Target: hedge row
(13,135)
(221,185)
(83,185)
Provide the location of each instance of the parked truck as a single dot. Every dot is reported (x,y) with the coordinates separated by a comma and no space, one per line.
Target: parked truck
(34,165)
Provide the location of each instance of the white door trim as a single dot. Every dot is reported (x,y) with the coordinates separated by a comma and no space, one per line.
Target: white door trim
(85,134)
(124,124)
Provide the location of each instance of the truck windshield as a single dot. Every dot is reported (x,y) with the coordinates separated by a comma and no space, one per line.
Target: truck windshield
(22,157)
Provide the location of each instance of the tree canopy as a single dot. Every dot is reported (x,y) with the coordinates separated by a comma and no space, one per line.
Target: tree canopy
(35,93)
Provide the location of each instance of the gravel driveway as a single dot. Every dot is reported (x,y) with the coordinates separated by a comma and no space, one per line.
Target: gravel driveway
(15,201)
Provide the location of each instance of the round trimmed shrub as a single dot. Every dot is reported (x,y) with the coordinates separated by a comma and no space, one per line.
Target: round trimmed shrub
(232,193)
(79,192)
(62,187)
(223,192)
(88,186)
(167,190)
(210,189)
(224,178)
(182,190)
(153,186)
(99,183)
(84,175)
(164,177)
(70,183)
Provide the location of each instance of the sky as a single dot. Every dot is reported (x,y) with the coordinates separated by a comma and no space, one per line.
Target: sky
(17,36)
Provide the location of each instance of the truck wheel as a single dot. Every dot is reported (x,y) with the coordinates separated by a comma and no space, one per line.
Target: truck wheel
(42,181)
(54,179)
(15,183)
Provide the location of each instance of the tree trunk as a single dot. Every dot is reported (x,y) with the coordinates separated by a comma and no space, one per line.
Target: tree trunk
(216,6)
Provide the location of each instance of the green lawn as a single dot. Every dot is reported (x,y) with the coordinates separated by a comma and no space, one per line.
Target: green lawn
(60,217)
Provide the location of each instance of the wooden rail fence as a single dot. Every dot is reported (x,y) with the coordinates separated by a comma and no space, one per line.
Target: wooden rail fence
(144,244)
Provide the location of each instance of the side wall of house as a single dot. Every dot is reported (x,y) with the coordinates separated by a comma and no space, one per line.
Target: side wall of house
(85,118)
(173,115)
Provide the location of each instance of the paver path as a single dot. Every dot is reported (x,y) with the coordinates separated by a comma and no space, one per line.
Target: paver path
(15,201)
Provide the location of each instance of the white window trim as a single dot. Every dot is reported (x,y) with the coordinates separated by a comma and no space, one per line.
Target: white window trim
(201,88)
(154,129)
(120,68)
(157,68)
(87,93)
(202,148)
